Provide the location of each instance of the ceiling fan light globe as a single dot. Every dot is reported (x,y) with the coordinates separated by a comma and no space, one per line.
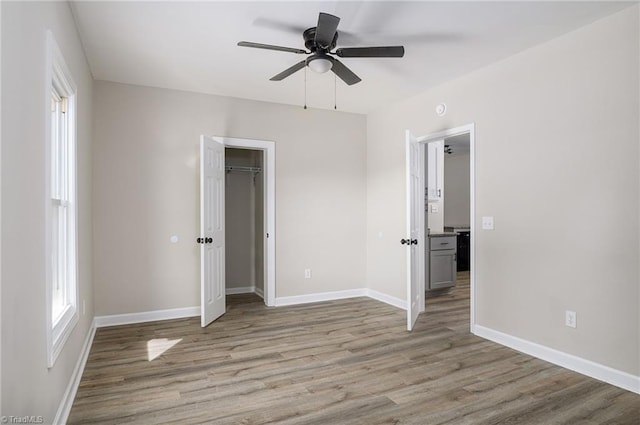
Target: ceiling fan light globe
(320,65)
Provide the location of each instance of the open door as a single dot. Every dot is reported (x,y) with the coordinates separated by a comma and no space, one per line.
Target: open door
(211,240)
(415,215)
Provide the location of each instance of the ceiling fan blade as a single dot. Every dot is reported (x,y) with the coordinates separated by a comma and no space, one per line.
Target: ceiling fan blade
(278,25)
(271,47)
(371,52)
(343,72)
(284,74)
(326,29)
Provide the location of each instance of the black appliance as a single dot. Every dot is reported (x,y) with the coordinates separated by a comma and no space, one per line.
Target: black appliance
(464,251)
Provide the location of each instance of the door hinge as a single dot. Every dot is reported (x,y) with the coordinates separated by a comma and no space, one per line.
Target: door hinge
(267,235)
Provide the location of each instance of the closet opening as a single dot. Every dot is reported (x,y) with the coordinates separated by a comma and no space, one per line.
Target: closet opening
(245,236)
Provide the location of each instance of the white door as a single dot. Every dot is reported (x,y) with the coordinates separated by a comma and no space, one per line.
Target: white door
(212,250)
(415,215)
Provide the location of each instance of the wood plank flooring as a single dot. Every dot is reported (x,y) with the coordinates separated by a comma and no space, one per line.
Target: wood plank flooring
(340,362)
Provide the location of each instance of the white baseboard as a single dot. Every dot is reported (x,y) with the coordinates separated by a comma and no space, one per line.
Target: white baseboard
(338,295)
(62,415)
(589,368)
(240,290)
(259,292)
(321,296)
(146,316)
(179,313)
(387,299)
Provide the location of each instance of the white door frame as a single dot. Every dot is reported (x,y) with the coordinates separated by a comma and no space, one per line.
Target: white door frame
(470,129)
(269,171)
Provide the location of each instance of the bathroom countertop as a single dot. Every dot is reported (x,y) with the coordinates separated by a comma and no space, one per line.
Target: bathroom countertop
(457,229)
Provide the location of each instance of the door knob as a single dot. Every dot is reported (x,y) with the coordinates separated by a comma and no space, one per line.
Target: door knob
(208,240)
(414,242)
(405,241)
(199,240)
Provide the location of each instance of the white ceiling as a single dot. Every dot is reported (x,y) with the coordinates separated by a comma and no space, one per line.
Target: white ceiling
(192,45)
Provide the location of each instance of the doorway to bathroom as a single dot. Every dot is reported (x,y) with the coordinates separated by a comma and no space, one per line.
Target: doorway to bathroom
(433,259)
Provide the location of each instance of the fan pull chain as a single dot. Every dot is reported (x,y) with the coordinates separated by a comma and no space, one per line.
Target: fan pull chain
(305,87)
(335,92)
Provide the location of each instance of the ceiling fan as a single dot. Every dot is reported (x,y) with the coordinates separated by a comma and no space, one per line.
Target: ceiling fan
(320,41)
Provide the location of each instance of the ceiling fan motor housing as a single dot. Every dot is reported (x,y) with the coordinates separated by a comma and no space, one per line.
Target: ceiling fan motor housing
(309,36)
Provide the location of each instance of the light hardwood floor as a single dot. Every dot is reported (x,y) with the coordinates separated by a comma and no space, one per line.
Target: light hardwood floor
(340,362)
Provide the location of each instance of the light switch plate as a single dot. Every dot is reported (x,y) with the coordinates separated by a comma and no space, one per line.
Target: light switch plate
(487,223)
(434,208)
(570,319)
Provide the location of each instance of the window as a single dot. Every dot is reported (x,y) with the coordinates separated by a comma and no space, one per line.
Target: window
(61,206)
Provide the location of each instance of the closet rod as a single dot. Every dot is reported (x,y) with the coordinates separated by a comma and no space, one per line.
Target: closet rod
(243,169)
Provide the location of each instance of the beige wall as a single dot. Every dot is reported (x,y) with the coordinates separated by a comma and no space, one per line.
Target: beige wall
(557,137)
(28,387)
(146,189)
(240,232)
(457,197)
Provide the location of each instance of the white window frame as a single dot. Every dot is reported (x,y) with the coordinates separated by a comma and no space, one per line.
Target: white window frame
(60,82)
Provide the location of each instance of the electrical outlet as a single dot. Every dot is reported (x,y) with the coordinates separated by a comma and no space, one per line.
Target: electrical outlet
(570,319)
(307,273)
(487,223)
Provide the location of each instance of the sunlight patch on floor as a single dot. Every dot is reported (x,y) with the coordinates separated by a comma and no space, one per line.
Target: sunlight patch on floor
(156,347)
